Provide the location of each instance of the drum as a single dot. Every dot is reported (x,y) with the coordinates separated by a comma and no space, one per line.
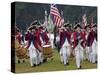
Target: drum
(21,52)
(47,51)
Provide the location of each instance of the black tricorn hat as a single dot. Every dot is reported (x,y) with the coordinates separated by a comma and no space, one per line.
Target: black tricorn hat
(78,25)
(87,26)
(35,23)
(66,25)
(32,27)
(94,25)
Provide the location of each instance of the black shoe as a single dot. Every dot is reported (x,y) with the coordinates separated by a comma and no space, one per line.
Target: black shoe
(40,63)
(34,65)
(19,61)
(45,60)
(79,67)
(23,61)
(96,62)
(68,63)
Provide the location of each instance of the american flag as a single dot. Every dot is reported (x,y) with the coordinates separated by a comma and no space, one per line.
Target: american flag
(84,20)
(57,19)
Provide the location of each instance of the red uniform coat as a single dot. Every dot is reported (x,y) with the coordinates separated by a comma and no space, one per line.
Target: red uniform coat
(68,35)
(83,35)
(62,38)
(45,37)
(34,38)
(19,37)
(90,38)
(76,36)
(37,39)
(27,36)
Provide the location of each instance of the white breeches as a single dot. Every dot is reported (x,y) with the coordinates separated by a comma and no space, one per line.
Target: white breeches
(88,53)
(79,54)
(64,54)
(33,57)
(33,53)
(91,52)
(94,52)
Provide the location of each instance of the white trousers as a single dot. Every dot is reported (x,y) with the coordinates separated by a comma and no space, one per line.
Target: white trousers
(79,55)
(91,52)
(94,52)
(88,53)
(33,55)
(64,54)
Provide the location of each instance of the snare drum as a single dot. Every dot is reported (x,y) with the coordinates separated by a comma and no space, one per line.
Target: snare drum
(21,52)
(47,51)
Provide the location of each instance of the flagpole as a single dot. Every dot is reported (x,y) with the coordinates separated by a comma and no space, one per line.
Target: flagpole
(46,22)
(45,19)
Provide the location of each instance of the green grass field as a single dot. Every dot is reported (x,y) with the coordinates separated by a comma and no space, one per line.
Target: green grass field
(52,65)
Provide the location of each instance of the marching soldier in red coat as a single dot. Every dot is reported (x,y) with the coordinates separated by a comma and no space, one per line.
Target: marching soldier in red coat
(91,44)
(65,45)
(68,37)
(32,47)
(77,46)
(62,40)
(39,44)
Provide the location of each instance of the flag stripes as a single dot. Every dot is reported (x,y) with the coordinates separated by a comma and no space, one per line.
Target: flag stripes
(57,19)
